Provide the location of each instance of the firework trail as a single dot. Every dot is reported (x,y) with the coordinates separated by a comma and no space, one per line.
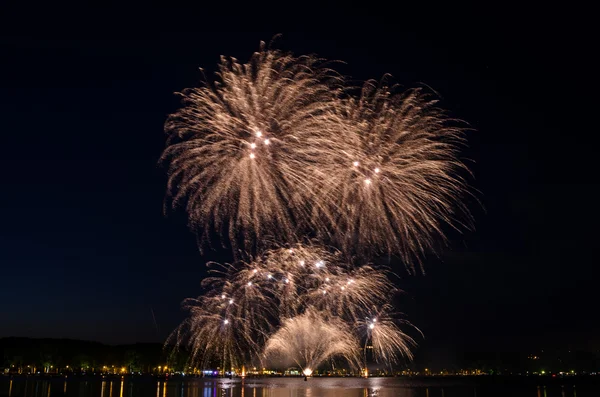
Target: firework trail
(278,147)
(310,339)
(392,180)
(390,344)
(234,149)
(247,304)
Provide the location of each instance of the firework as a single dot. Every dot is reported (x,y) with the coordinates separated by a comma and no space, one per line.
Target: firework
(392,179)
(278,147)
(213,333)
(249,304)
(389,343)
(235,150)
(310,339)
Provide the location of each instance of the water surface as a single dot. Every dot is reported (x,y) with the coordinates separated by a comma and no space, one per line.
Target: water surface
(292,387)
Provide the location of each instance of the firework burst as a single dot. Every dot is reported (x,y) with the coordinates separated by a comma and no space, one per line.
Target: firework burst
(248,305)
(277,147)
(310,339)
(234,149)
(389,343)
(392,180)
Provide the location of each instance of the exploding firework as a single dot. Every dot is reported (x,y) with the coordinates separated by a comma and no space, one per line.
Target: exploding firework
(389,343)
(236,148)
(277,147)
(310,339)
(392,179)
(249,304)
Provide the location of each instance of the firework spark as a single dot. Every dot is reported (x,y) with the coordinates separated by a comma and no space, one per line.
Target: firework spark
(390,344)
(392,180)
(284,289)
(234,147)
(310,339)
(277,147)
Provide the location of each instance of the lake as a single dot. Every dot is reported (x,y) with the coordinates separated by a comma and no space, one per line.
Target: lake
(297,387)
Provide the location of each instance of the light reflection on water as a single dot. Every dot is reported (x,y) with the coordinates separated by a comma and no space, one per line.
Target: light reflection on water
(265,387)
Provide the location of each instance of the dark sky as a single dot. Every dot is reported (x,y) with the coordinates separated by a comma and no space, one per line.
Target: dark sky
(85,249)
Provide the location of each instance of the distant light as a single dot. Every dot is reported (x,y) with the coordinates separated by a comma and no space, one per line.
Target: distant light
(371,326)
(252,155)
(374,320)
(255,271)
(307,371)
(356,163)
(368,181)
(319,264)
(327,279)
(258,133)
(287,281)
(290,250)
(377,170)
(324,292)
(343,288)
(253,145)
(267,141)
(230,301)
(223,296)
(249,283)
(301,263)
(226,321)
(269,276)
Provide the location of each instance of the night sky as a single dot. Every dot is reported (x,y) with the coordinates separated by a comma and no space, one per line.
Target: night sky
(87,253)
